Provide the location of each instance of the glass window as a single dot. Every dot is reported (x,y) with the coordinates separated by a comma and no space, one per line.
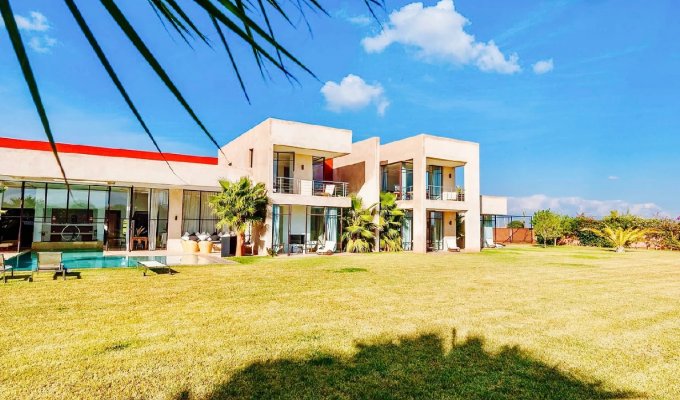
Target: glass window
(407,230)
(117,218)
(284,164)
(208,218)
(434,231)
(191,211)
(318,168)
(98,201)
(158,219)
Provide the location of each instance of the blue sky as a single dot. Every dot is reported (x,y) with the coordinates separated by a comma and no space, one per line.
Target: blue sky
(593,126)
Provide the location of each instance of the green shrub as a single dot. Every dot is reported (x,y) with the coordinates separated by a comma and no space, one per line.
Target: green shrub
(516,224)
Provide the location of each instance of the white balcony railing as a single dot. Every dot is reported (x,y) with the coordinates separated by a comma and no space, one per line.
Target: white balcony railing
(444,193)
(310,187)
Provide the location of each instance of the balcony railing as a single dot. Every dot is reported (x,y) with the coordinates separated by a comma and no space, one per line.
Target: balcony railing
(405,194)
(444,193)
(310,187)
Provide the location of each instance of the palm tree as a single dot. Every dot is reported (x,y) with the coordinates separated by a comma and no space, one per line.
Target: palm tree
(389,223)
(246,22)
(359,227)
(619,237)
(238,205)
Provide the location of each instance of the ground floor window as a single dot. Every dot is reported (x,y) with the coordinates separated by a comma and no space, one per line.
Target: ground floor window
(197,215)
(434,231)
(111,215)
(304,229)
(407,230)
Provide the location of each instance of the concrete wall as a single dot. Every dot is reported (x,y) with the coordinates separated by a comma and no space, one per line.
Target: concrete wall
(19,164)
(494,205)
(307,136)
(361,169)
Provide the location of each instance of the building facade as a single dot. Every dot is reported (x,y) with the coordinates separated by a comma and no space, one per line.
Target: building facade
(127,199)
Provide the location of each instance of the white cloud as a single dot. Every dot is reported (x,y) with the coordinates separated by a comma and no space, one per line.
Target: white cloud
(42,44)
(36,23)
(361,20)
(577,205)
(613,178)
(353,93)
(36,27)
(543,66)
(438,33)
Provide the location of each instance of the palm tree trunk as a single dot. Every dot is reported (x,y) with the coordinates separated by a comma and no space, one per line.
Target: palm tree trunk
(240,238)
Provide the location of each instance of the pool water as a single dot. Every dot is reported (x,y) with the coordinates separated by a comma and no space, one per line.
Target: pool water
(82,260)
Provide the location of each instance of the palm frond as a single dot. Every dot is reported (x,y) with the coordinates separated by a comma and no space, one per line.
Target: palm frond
(27,71)
(75,12)
(141,47)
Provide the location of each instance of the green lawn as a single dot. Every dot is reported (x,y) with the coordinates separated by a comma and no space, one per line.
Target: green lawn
(565,323)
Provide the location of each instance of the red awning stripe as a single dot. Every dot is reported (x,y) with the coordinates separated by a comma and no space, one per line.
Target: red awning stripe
(23,144)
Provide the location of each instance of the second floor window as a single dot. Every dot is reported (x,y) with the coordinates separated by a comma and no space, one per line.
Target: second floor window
(284,164)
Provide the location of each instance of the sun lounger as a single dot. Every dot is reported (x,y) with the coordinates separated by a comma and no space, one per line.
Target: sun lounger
(327,249)
(52,262)
(147,266)
(451,244)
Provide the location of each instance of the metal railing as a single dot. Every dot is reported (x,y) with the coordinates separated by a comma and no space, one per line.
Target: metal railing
(310,187)
(406,194)
(444,193)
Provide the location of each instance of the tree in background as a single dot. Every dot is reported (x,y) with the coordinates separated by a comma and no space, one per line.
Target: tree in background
(240,204)
(389,224)
(620,238)
(359,234)
(547,226)
(516,224)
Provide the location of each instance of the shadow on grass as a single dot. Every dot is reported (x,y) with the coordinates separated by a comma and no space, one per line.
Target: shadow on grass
(411,368)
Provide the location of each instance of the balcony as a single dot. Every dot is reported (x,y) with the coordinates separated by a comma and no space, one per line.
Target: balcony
(307,187)
(444,193)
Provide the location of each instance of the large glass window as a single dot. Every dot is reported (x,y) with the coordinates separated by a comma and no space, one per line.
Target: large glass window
(407,230)
(397,178)
(434,231)
(48,212)
(433,177)
(117,218)
(158,219)
(197,215)
(10,221)
(318,168)
(284,165)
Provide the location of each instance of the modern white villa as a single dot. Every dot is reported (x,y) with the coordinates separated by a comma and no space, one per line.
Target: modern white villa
(131,199)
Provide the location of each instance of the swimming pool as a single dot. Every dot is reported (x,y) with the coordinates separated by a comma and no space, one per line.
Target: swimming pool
(82,260)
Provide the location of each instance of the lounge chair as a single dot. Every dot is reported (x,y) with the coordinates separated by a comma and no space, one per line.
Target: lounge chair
(4,268)
(327,249)
(51,262)
(451,244)
(329,190)
(490,244)
(152,265)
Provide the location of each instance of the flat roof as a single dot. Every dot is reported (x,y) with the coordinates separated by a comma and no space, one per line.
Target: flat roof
(23,144)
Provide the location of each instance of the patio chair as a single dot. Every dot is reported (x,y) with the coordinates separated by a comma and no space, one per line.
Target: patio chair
(52,262)
(329,190)
(490,244)
(4,268)
(327,249)
(451,244)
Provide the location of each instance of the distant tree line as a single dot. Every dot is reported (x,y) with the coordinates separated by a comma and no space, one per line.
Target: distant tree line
(615,230)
